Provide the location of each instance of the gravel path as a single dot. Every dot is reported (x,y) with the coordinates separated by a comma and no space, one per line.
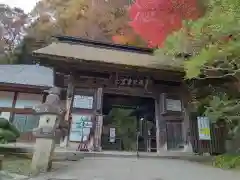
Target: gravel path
(140,169)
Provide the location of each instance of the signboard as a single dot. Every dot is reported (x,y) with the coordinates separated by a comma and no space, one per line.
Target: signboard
(131,82)
(173,105)
(80,127)
(112,135)
(83,102)
(204,128)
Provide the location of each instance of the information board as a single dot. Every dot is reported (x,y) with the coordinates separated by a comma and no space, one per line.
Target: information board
(80,127)
(112,135)
(204,128)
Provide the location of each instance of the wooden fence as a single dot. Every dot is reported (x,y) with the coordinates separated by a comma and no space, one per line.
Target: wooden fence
(215,146)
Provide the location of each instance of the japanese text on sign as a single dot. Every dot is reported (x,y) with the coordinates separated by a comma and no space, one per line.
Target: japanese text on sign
(204,128)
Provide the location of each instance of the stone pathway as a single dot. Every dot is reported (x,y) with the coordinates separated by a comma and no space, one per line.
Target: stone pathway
(11,176)
(103,168)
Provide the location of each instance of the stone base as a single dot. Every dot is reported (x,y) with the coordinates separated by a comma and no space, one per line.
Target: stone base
(64,142)
(42,156)
(163,148)
(188,148)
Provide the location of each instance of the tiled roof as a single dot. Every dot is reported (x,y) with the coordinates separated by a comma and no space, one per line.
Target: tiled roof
(83,52)
(33,75)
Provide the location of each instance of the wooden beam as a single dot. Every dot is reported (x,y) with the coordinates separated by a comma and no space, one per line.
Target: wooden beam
(18,111)
(111,68)
(22,88)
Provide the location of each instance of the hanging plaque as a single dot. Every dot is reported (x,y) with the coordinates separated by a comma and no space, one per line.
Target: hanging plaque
(173,105)
(129,81)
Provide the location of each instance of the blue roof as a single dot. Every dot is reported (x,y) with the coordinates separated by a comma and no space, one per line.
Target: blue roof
(34,75)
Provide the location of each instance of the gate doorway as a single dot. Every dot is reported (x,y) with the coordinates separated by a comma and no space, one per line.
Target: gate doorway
(124,118)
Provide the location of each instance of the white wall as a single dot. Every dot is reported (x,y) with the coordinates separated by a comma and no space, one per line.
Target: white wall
(25,100)
(6,99)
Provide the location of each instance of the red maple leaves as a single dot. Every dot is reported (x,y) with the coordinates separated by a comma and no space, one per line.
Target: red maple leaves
(154,20)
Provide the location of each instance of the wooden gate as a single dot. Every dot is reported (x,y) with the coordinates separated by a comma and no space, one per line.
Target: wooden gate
(174,135)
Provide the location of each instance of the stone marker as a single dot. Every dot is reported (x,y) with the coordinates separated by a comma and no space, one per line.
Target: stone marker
(50,115)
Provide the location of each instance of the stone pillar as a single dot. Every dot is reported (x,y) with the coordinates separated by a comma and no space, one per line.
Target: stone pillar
(50,116)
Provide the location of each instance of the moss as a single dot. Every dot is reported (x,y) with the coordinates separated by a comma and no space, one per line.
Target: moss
(16,165)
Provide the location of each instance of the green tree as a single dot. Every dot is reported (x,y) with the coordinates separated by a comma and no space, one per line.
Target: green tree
(212,41)
(125,126)
(210,46)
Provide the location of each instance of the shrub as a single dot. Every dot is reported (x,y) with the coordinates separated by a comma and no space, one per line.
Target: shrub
(227,161)
(8,132)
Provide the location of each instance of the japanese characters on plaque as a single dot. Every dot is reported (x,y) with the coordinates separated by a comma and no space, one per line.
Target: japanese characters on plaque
(173,105)
(204,131)
(131,81)
(84,102)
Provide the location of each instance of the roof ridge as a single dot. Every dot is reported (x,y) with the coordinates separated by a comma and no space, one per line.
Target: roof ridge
(99,44)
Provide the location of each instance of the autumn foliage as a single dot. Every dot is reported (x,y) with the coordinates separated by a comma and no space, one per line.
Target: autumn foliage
(154,20)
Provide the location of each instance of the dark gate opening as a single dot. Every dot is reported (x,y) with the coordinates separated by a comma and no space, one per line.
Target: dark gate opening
(124,118)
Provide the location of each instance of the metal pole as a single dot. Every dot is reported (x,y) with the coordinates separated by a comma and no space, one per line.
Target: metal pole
(138,133)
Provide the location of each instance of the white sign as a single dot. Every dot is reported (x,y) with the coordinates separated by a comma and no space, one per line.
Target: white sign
(112,135)
(84,102)
(204,128)
(173,105)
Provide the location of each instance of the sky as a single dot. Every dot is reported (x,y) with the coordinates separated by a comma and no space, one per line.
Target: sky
(26,5)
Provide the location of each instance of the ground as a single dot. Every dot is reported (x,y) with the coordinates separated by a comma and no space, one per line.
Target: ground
(115,168)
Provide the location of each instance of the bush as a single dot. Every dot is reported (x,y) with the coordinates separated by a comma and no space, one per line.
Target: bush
(8,132)
(227,161)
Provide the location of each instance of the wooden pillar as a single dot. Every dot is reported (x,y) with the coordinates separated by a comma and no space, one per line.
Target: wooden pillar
(161,124)
(157,120)
(186,119)
(99,120)
(186,131)
(69,102)
(1,161)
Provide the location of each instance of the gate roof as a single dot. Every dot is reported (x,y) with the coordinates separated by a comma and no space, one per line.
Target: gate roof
(80,50)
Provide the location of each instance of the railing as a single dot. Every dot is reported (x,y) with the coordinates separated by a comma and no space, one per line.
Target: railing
(25,123)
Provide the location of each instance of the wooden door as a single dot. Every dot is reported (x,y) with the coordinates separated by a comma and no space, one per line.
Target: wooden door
(174,135)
